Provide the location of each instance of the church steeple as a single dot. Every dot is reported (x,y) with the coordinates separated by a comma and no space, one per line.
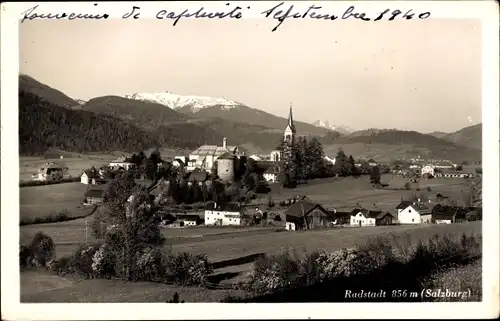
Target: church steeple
(290,120)
(290,127)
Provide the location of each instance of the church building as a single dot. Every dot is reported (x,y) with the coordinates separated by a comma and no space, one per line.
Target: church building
(288,137)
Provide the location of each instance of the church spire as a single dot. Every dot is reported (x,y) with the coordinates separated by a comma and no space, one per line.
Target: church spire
(290,120)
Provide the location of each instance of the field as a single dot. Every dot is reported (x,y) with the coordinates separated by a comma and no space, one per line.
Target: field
(77,162)
(347,193)
(47,200)
(232,249)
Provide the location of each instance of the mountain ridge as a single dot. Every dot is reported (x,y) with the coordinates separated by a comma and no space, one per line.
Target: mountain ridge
(181,127)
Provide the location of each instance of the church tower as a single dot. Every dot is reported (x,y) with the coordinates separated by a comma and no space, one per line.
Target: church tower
(289,135)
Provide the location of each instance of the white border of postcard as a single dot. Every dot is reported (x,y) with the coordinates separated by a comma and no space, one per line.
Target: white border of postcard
(486,11)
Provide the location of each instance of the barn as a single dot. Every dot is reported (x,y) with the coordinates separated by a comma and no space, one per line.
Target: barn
(306,215)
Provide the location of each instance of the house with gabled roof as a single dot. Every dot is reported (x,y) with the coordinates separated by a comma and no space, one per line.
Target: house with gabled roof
(445,214)
(224,213)
(306,215)
(413,212)
(364,217)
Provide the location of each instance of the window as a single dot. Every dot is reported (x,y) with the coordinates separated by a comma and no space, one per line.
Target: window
(409,211)
(413,220)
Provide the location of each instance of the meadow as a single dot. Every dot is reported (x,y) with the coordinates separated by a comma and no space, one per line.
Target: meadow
(344,194)
(233,249)
(48,200)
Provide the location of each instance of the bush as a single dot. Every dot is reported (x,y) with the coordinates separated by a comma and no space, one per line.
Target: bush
(150,266)
(407,186)
(25,255)
(187,269)
(274,273)
(42,249)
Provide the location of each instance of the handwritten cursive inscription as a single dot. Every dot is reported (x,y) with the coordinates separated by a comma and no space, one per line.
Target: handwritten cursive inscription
(30,14)
(201,13)
(407,15)
(280,13)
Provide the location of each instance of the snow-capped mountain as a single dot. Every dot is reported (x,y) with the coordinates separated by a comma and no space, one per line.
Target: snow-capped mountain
(339,128)
(194,103)
(80,101)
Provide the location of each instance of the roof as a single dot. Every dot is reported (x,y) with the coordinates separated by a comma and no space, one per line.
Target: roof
(376,214)
(403,205)
(227,155)
(90,174)
(291,124)
(227,207)
(213,150)
(94,193)
(418,206)
(197,176)
(338,214)
(122,159)
(444,211)
(303,207)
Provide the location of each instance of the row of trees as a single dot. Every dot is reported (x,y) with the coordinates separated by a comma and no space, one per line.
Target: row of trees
(304,159)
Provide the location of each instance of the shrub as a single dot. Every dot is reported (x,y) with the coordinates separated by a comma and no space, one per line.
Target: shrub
(42,249)
(187,269)
(150,266)
(25,255)
(81,262)
(407,186)
(275,272)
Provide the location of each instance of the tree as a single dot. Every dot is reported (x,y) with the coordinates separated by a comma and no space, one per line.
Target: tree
(288,168)
(314,158)
(351,167)
(300,149)
(341,163)
(375,176)
(131,223)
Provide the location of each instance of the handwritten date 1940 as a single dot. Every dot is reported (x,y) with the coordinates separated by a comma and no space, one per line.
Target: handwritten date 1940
(314,12)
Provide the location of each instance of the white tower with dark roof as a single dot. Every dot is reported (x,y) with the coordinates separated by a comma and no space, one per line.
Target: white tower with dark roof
(290,130)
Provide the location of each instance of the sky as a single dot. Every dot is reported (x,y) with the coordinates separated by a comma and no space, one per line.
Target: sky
(412,75)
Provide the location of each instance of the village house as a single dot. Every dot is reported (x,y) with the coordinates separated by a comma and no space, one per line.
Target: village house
(223,214)
(428,170)
(372,162)
(188,220)
(94,197)
(91,177)
(364,217)
(306,215)
(413,212)
(50,171)
(121,162)
(270,175)
(452,173)
(444,214)
(340,218)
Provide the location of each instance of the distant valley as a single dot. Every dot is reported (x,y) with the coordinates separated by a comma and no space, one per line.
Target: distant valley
(51,119)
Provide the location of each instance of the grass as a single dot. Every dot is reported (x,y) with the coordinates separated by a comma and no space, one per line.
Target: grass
(42,286)
(75,163)
(346,193)
(50,200)
(459,279)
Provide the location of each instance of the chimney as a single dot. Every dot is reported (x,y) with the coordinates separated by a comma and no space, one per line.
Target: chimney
(224,142)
